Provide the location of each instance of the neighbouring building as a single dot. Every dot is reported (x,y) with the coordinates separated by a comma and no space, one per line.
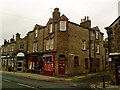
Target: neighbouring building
(113,32)
(62,47)
(13,54)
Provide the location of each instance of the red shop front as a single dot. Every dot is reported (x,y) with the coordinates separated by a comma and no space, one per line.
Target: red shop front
(48,65)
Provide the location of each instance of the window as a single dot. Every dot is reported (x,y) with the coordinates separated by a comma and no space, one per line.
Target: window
(50,28)
(97,49)
(47,45)
(35,47)
(97,35)
(62,25)
(62,57)
(51,44)
(84,45)
(92,46)
(11,48)
(21,47)
(92,34)
(86,63)
(36,33)
(76,61)
(48,59)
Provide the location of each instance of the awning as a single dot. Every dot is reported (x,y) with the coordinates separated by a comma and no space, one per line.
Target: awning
(20,54)
(114,54)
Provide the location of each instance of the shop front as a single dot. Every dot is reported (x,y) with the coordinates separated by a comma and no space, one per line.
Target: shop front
(48,64)
(115,68)
(20,61)
(34,63)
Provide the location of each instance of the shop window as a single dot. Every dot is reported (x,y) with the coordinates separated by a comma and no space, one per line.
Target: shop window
(62,25)
(48,59)
(86,63)
(50,28)
(76,61)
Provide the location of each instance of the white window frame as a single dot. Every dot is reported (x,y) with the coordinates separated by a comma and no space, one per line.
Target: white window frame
(62,25)
(36,48)
(51,44)
(97,49)
(84,45)
(50,28)
(12,48)
(47,45)
(33,47)
(97,35)
(36,33)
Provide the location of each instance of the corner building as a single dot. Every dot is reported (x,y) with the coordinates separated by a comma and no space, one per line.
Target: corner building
(70,48)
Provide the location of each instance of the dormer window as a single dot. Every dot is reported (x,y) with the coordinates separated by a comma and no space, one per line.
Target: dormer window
(62,25)
(97,35)
(50,28)
(36,33)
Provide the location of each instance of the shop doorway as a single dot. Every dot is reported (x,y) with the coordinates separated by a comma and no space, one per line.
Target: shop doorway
(62,64)
(20,65)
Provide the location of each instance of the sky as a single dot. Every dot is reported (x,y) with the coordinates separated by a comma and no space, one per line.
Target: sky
(22,15)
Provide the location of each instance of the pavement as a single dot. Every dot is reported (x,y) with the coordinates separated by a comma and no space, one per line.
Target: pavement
(108,86)
(55,78)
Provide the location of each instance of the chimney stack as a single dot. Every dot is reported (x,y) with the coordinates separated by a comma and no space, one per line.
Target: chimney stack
(86,22)
(56,15)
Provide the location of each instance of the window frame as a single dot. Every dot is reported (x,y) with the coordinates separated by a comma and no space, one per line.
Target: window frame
(97,34)
(63,24)
(86,63)
(51,28)
(97,48)
(84,47)
(76,61)
(36,33)
(21,44)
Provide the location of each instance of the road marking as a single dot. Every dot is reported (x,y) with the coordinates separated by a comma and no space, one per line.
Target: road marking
(6,80)
(25,85)
(93,86)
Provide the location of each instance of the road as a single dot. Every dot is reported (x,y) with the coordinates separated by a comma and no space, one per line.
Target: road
(16,82)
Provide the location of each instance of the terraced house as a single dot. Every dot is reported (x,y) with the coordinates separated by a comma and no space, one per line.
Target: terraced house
(63,47)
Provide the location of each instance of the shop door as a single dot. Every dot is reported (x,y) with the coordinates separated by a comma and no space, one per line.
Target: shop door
(20,65)
(61,67)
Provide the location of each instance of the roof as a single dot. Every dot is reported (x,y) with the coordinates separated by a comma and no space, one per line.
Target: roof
(79,25)
(112,23)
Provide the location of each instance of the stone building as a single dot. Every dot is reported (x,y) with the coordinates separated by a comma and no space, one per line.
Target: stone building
(113,32)
(70,48)
(61,47)
(35,49)
(13,54)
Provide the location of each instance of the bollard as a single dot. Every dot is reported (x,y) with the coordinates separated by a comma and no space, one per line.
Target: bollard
(103,82)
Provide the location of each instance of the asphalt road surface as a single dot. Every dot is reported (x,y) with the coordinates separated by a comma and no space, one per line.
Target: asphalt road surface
(11,82)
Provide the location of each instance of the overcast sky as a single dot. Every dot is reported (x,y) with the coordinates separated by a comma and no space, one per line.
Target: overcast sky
(22,15)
